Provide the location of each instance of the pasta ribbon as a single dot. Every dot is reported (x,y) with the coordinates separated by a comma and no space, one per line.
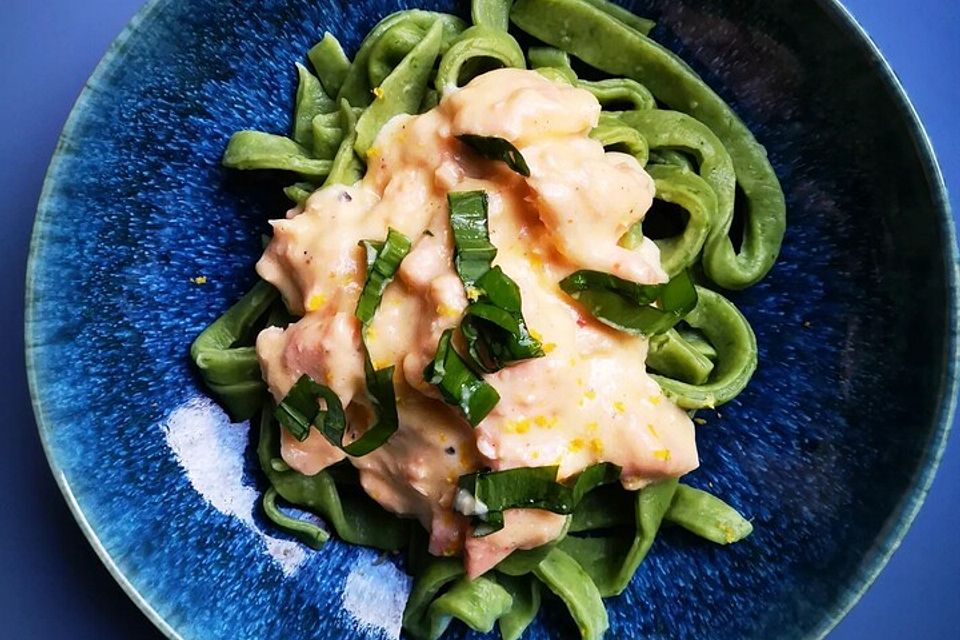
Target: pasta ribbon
(589,33)
(355,517)
(614,135)
(478,49)
(228,368)
(356,88)
(702,351)
(736,346)
(402,90)
(688,190)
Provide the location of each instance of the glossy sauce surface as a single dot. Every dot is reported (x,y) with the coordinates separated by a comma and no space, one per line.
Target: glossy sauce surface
(589,399)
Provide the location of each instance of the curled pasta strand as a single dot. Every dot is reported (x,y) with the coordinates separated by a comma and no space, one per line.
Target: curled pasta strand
(616,136)
(585,31)
(356,88)
(672,356)
(477,50)
(613,91)
(402,90)
(736,345)
(691,192)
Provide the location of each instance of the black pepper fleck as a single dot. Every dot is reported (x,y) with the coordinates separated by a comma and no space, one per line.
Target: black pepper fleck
(450,451)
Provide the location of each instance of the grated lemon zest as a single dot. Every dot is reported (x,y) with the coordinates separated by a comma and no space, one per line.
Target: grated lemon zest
(447,311)
(315,302)
(543,421)
(728,533)
(518,426)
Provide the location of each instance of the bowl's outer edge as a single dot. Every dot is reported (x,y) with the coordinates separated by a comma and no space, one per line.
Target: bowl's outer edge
(906,511)
(113,55)
(901,520)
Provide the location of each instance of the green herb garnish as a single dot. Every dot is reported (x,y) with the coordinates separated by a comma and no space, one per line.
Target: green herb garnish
(473,252)
(494,148)
(493,325)
(301,409)
(627,305)
(489,493)
(383,260)
(458,384)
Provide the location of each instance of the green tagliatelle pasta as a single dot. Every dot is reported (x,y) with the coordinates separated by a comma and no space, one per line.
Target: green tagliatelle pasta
(330,63)
(702,351)
(603,41)
(614,135)
(525,594)
(326,132)
(347,168)
(354,516)
(687,189)
(356,88)
(736,346)
(491,13)
(402,90)
(226,362)
(566,577)
(477,50)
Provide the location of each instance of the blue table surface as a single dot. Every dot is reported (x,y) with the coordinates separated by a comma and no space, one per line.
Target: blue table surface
(51,583)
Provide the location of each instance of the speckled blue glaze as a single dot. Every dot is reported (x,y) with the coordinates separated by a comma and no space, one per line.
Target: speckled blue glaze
(830,449)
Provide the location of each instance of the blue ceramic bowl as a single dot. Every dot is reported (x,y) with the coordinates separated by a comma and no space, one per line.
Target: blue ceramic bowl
(830,450)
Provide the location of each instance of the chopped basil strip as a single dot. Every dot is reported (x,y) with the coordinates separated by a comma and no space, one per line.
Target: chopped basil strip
(383,401)
(383,260)
(494,148)
(300,410)
(458,384)
(473,253)
(526,488)
(493,326)
(627,305)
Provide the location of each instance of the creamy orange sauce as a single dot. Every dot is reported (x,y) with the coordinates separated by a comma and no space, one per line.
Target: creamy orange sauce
(588,400)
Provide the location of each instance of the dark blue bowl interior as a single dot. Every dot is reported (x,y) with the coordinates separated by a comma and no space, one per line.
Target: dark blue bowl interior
(828,451)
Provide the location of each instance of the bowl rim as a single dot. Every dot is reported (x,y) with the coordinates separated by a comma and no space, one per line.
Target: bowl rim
(901,518)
